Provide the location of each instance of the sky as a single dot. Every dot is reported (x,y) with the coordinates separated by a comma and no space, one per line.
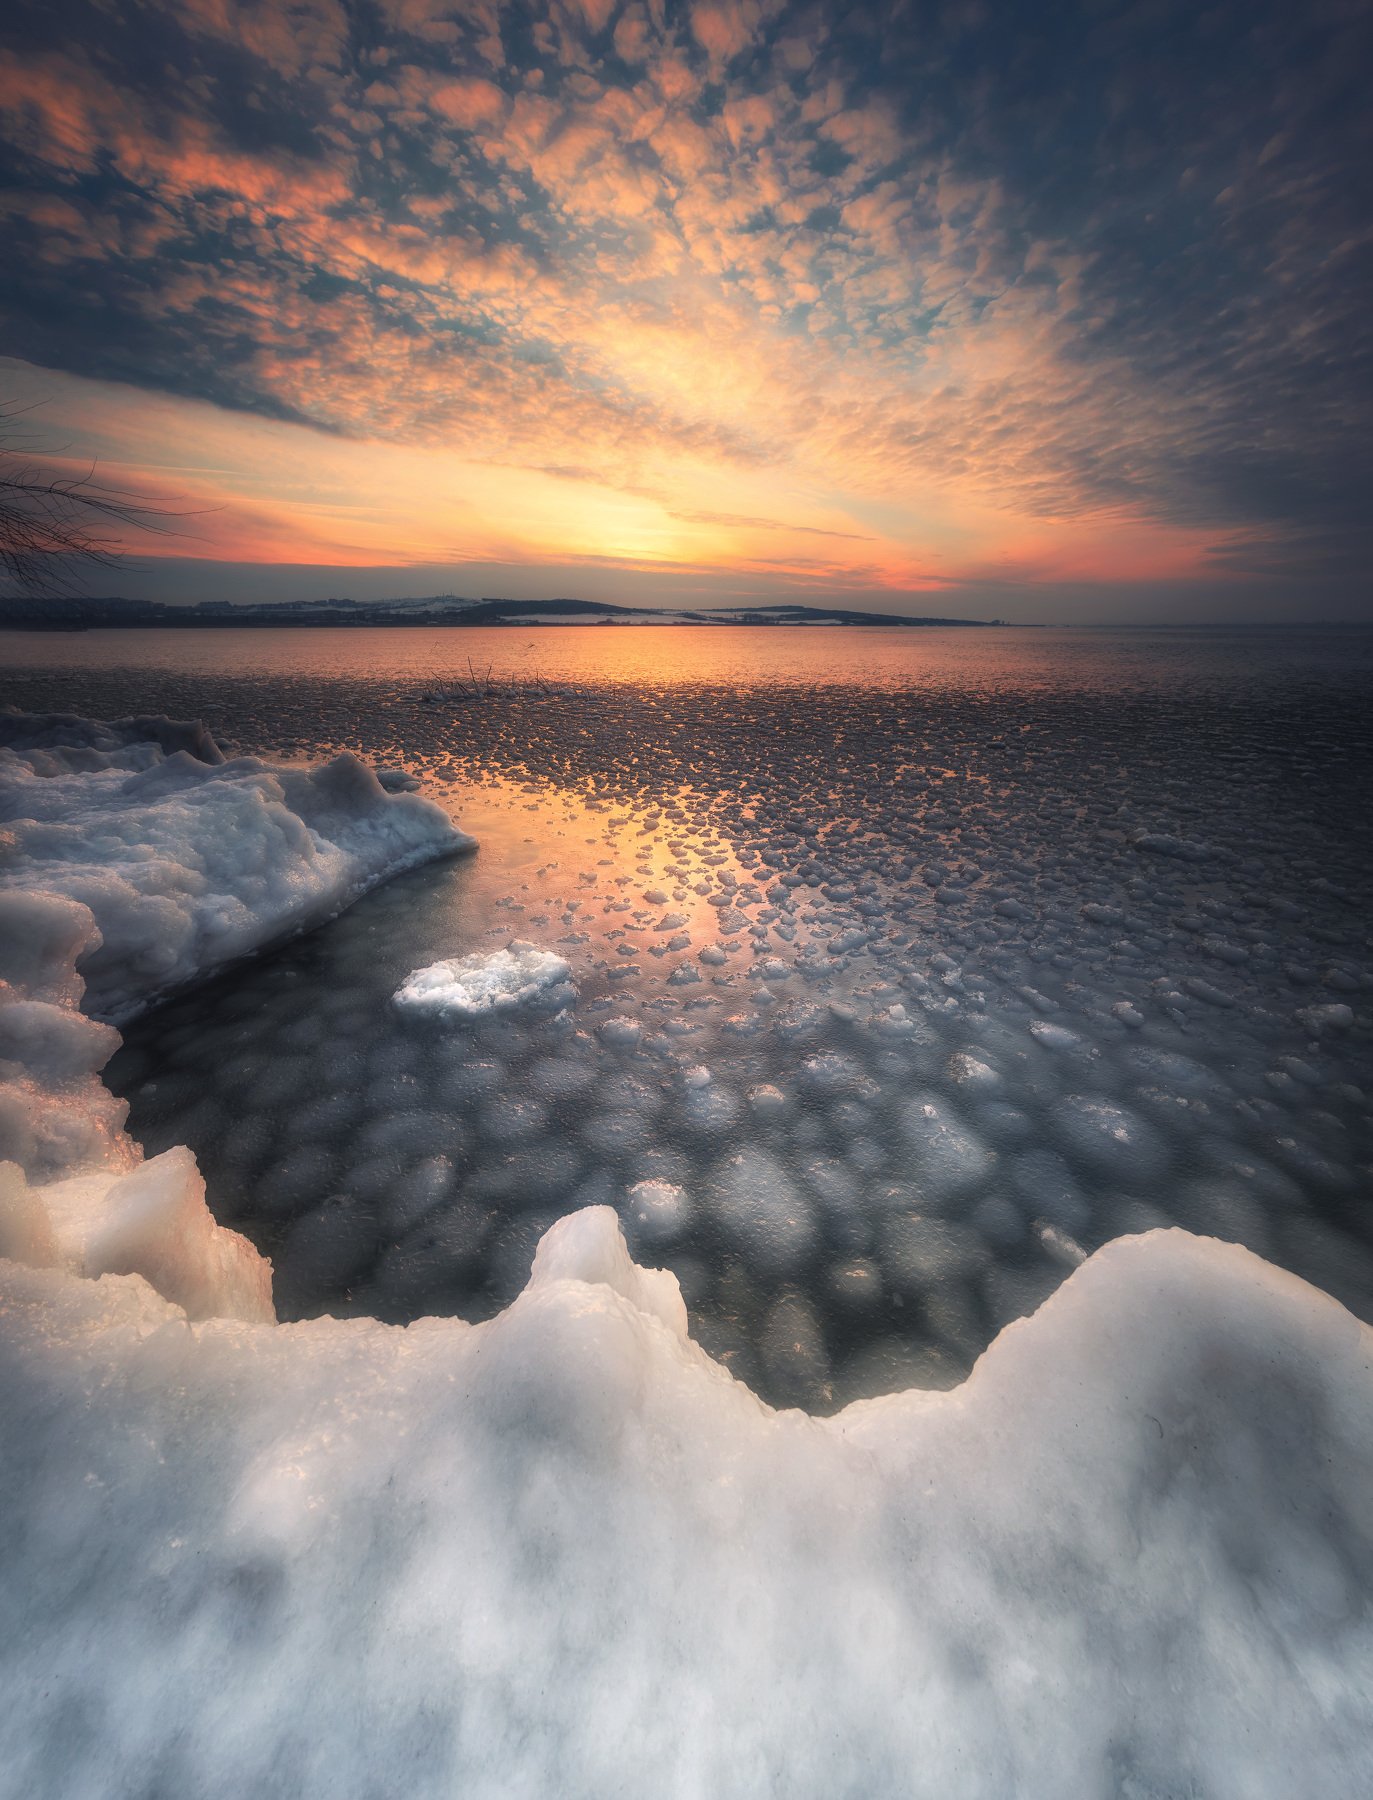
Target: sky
(1045,312)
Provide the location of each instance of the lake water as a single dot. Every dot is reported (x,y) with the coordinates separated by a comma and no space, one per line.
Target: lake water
(906,967)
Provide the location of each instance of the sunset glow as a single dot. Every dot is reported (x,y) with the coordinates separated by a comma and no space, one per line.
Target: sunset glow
(716,301)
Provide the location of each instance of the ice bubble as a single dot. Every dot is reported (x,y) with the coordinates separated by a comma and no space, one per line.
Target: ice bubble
(920,1253)
(766,1101)
(707,1108)
(1334,1017)
(831,1073)
(763,1213)
(443,1248)
(1058,1037)
(418,1191)
(623,1033)
(510,1118)
(1013,1291)
(558,1077)
(998,1221)
(896,1364)
(612,1133)
(1003,1125)
(469,987)
(947,1160)
(325,1249)
(1044,1184)
(301,1176)
(793,1350)
(412,1134)
(463,1082)
(1223,1208)
(832,1182)
(855,1285)
(658,1211)
(1183,1074)
(1109,1141)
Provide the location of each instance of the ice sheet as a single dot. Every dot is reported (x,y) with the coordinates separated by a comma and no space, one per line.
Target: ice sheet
(566,1552)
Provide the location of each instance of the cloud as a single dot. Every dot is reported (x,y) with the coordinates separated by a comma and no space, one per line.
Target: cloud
(1002,301)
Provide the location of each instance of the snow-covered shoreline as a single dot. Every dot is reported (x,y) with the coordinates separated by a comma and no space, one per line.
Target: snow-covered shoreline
(187,860)
(565,1552)
(139,859)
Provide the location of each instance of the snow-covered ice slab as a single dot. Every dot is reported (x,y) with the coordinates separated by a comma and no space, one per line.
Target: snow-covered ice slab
(186,860)
(469,987)
(564,1553)
(137,859)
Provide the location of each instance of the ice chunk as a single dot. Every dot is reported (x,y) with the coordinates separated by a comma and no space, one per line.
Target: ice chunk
(1334,1017)
(946,1159)
(588,1247)
(658,1211)
(620,1032)
(793,1348)
(153,1222)
(762,1211)
(1109,1140)
(766,1100)
(469,987)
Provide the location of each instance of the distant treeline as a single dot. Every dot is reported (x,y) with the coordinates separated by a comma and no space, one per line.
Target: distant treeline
(83,613)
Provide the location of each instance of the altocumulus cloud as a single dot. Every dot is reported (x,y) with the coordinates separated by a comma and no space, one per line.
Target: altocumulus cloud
(1100,267)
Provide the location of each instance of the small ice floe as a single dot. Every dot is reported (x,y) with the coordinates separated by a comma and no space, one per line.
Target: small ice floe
(469,987)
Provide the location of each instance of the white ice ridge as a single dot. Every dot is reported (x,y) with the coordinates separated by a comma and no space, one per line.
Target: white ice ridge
(466,987)
(186,860)
(138,858)
(564,1553)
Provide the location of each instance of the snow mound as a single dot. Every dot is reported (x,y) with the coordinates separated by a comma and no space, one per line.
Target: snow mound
(186,860)
(466,987)
(565,1552)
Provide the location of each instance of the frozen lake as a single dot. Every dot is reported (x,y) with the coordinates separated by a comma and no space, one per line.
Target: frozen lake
(903,968)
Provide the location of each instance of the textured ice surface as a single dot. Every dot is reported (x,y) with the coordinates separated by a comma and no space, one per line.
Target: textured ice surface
(946,907)
(465,987)
(563,1551)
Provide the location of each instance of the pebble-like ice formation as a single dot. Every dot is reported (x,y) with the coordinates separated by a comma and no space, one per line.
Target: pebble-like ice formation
(467,987)
(563,1551)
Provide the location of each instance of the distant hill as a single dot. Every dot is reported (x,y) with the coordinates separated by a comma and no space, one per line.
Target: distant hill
(113,613)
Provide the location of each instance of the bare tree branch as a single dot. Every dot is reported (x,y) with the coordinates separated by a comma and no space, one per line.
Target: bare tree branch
(53,526)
